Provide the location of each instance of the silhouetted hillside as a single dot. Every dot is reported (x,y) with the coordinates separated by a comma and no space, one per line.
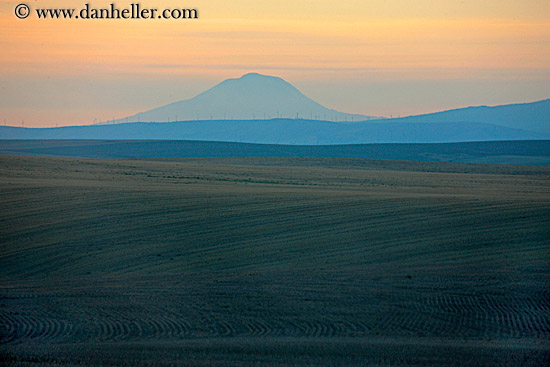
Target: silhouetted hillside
(533,116)
(504,152)
(284,131)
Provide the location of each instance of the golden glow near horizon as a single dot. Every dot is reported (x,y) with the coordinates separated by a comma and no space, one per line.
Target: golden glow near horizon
(306,42)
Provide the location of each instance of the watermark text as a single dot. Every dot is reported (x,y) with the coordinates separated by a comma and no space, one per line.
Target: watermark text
(132,11)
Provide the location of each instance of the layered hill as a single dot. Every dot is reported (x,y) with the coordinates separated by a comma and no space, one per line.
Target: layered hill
(285,131)
(534,116)
(521,152)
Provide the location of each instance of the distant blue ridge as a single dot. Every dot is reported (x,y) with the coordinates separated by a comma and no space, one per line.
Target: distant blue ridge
(284,131)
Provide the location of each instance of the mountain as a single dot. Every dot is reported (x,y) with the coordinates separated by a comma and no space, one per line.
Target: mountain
(284,131)
(245,101)
(252,96)
(534,116)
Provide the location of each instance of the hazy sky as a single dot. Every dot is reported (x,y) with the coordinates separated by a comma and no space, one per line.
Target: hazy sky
(376,57)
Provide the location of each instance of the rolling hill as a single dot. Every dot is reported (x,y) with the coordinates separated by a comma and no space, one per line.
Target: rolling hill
(533,116)
(501,152)
(284,131)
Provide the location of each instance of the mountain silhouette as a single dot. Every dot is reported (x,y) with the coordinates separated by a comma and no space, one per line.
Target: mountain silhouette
(533,116)
(252,96)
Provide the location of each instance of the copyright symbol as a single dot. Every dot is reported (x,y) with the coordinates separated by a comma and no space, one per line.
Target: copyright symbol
(22,11)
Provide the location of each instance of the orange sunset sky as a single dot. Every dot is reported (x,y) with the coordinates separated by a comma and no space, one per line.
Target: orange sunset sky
(375,57)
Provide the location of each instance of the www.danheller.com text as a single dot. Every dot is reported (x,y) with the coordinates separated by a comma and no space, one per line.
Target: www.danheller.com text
(132,11)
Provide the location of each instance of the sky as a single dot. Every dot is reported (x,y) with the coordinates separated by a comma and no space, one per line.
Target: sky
(373,57)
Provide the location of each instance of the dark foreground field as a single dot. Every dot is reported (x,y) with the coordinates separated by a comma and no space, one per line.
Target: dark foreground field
(273,262)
